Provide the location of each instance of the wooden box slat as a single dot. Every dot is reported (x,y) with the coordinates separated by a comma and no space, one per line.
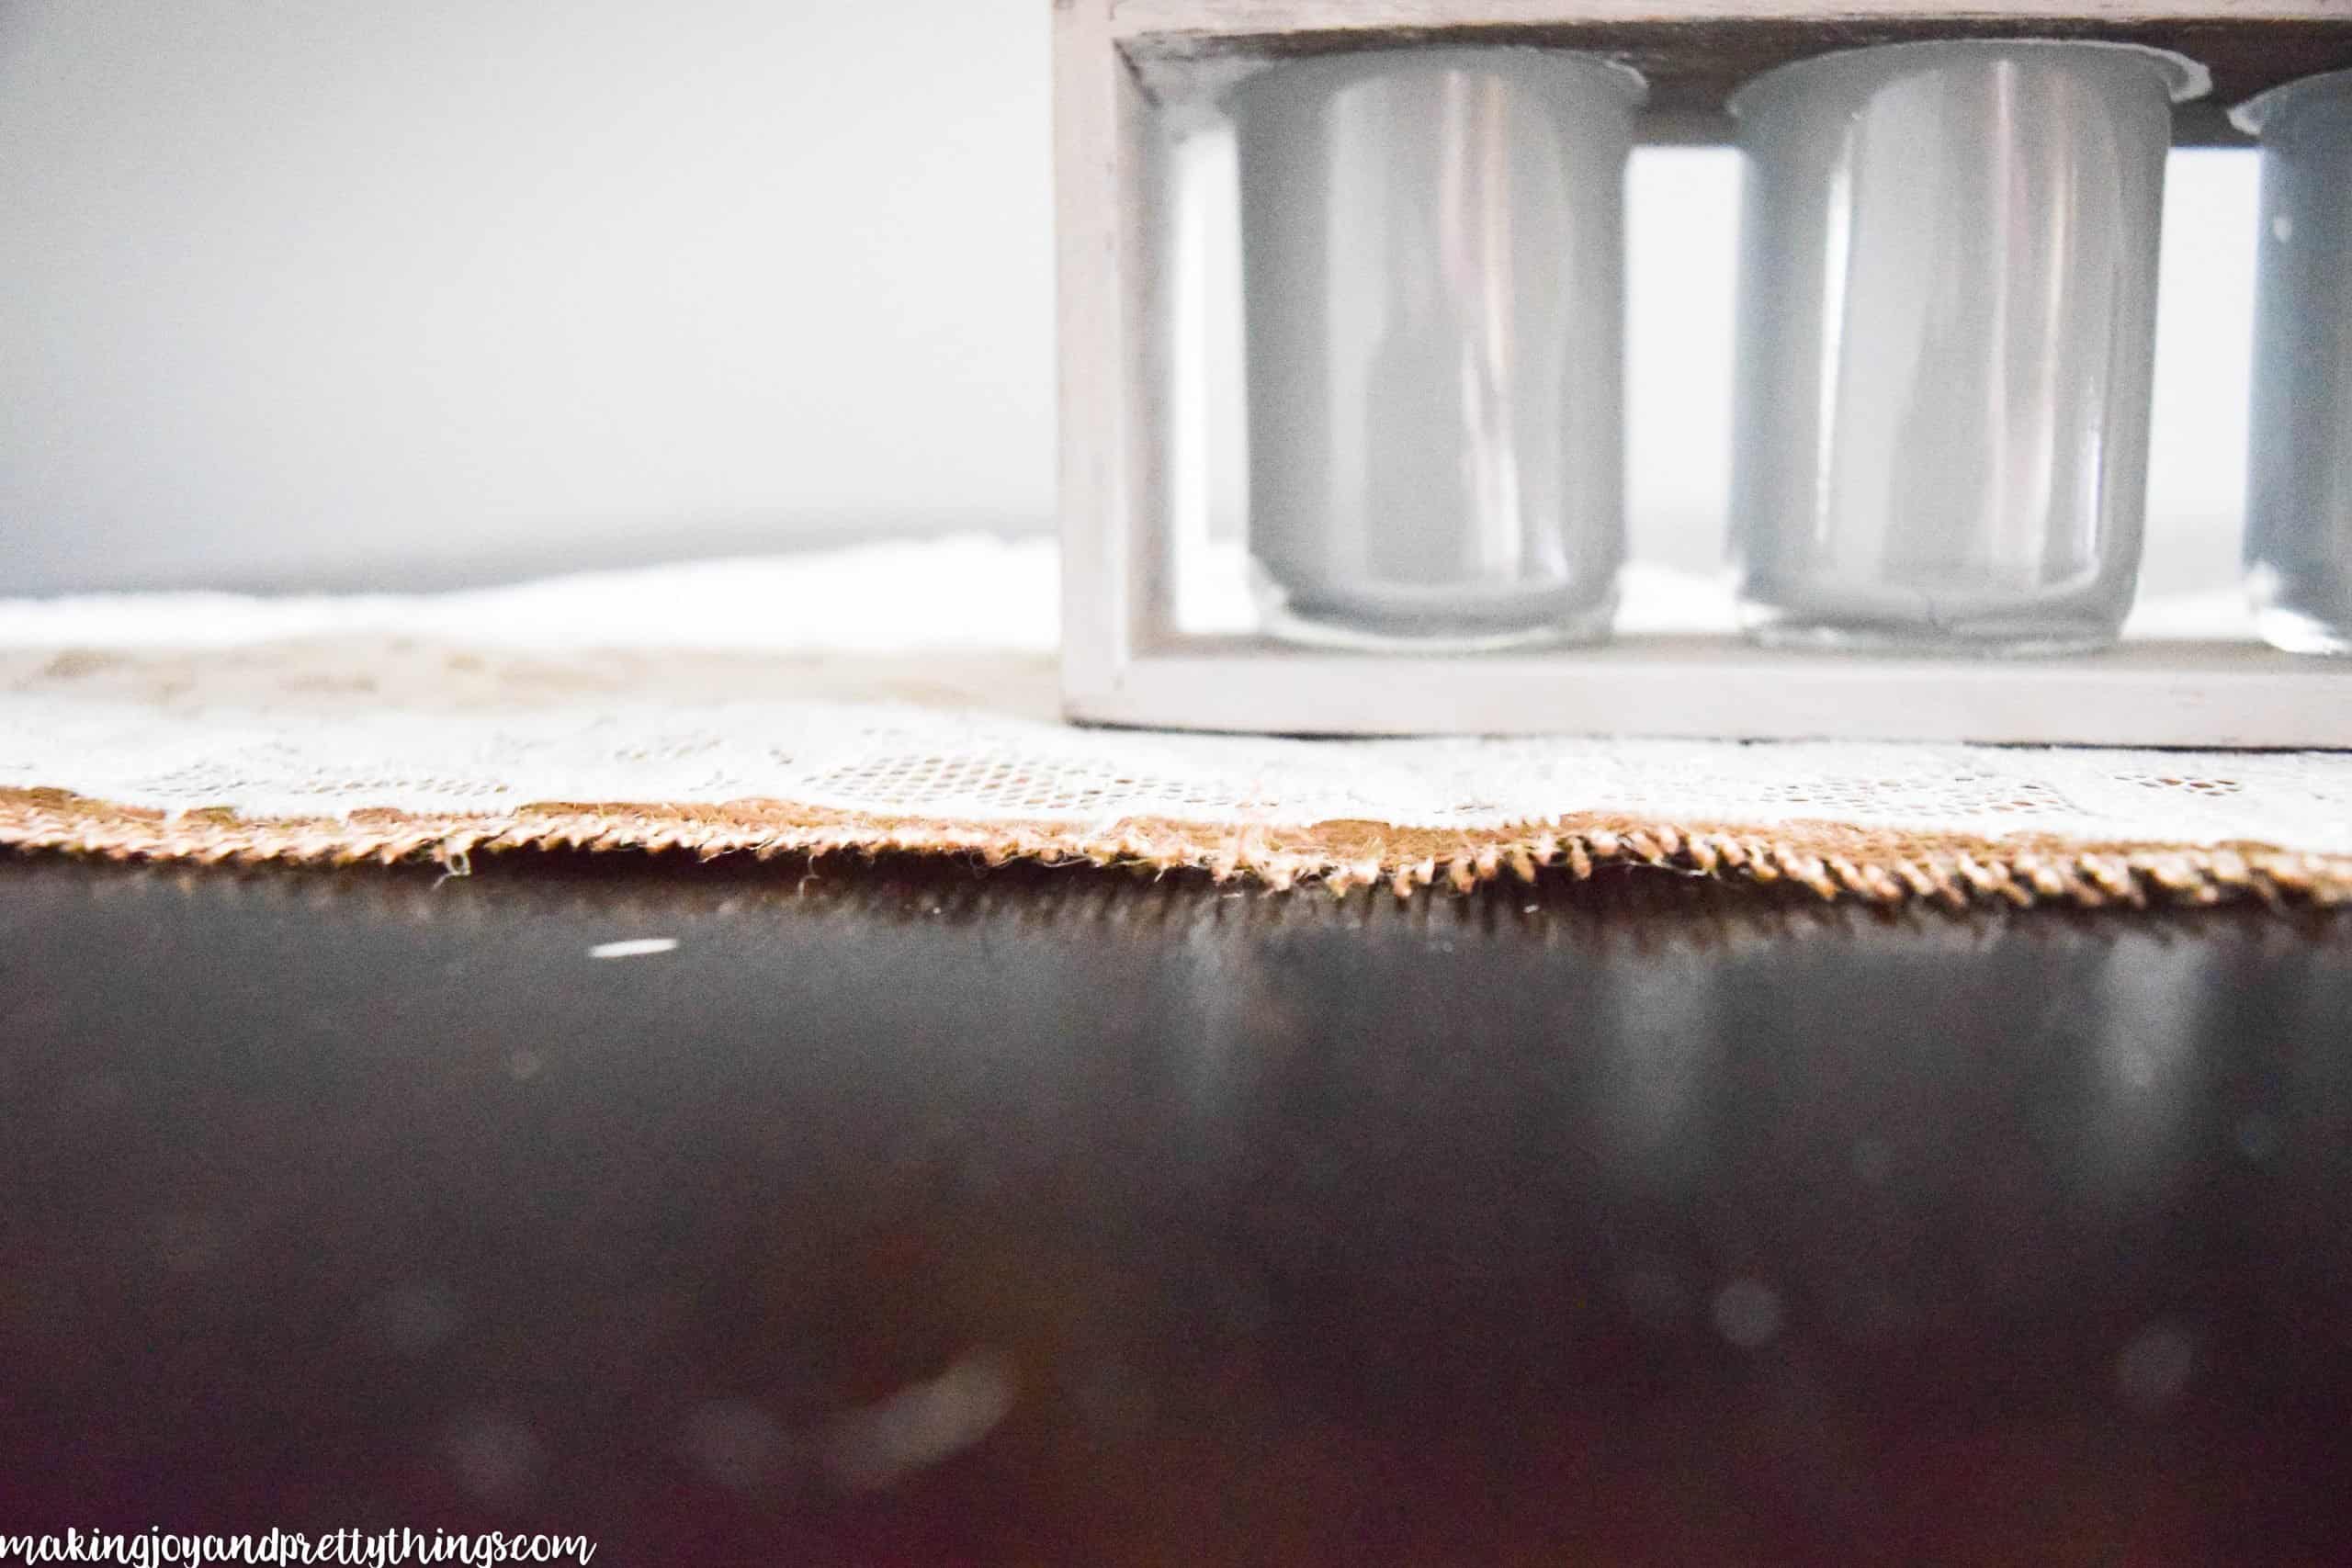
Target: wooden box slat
(1696,52)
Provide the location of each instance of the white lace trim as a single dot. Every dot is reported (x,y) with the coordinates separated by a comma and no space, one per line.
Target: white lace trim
(916,680)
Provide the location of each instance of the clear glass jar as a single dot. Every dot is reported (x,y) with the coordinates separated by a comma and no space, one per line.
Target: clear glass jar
(2299,467)
(1433,276)
(1946,326)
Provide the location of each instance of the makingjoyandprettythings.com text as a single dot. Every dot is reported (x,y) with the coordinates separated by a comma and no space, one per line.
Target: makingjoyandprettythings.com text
(157,1546)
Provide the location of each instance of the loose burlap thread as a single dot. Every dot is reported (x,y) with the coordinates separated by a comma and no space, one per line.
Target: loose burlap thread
(899,699)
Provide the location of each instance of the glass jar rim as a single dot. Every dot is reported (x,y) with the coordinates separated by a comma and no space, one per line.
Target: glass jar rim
(1631,84)
(2185,79)
(2263,110)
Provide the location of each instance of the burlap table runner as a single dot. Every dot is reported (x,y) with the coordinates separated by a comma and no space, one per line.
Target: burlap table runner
(900,697)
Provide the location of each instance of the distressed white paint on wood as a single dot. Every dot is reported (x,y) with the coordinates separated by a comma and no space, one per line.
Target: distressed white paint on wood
(2146,694)
(1131,18)
(1094,352)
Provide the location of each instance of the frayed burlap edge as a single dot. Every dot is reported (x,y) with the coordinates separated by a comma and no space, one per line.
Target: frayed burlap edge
(1833,859)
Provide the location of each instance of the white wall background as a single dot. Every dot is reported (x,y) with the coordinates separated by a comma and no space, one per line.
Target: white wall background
(358,291)
(298,290)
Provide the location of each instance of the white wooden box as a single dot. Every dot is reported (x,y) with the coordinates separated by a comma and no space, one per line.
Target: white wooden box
(1128,75)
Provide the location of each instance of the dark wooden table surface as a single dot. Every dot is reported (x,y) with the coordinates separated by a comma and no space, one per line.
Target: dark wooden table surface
(916,1215)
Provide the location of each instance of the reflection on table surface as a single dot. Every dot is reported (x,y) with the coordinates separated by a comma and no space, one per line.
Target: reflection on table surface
(918,1213)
